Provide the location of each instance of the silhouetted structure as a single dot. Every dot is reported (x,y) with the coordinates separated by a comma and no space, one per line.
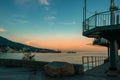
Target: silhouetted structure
(105,25)
(28,56)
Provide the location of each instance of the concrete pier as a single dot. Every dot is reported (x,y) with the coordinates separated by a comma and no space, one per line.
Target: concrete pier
(113,54)
(25,73)
(22,63)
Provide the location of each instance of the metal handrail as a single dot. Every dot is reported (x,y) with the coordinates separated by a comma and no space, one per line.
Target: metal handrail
(90,62)
(100,20)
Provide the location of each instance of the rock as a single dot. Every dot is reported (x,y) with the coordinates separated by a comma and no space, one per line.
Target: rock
(59,69)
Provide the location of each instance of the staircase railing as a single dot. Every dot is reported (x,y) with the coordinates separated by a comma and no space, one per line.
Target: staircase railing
(90,62)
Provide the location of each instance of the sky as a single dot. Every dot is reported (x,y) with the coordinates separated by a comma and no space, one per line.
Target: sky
(52,24)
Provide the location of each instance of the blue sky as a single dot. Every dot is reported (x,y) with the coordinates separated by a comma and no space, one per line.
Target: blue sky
(40,18)
(46,20)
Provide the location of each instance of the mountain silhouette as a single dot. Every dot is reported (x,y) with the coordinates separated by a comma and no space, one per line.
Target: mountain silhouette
(13,47)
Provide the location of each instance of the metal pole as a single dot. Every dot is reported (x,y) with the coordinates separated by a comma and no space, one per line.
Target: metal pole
(88,62)
(113,43)
(85,9)
(113,8)
(83,20)
(83,61)
(95,62)
(117,19)
(95,19)
(92,61)
(108,53)
(84,16)
(85,13)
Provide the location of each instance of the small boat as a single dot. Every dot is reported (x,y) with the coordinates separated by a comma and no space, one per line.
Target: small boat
(71,52)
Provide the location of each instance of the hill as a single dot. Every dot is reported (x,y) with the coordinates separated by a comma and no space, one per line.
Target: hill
(8,46)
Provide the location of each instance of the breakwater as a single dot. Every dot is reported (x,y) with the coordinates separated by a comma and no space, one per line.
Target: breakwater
(22,63)
(33,64)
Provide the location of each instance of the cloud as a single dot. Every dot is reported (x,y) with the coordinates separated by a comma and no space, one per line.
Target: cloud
(24,2)
(44,2)
(68,23)
(51,23)
(18,16)
(2,30)
(22,21)
(91,44)
(19,19)
(21,2)
(53,13)
(29,42)
(49,18)
(47,8)
(34,43)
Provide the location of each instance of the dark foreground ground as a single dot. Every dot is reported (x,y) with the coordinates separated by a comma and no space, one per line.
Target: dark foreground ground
(20,73)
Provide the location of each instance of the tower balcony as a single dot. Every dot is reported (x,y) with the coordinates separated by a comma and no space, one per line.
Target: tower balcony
(99,25)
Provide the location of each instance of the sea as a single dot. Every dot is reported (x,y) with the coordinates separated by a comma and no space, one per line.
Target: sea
(74,58)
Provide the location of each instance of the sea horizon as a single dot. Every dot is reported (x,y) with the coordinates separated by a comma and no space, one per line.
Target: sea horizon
(74,58)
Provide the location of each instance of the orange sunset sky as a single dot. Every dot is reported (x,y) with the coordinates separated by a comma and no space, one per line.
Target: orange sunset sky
(51,24)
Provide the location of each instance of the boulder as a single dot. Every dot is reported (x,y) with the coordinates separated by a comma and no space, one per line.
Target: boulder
(59,69)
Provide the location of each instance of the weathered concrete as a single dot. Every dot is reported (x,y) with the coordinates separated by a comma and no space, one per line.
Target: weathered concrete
(22,63)
(25,73)
(33,64)
(20,73)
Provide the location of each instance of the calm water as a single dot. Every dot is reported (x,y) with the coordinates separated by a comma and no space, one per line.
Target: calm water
(49,57)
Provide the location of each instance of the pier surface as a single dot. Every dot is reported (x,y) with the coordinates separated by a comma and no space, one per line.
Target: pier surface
(22,73)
